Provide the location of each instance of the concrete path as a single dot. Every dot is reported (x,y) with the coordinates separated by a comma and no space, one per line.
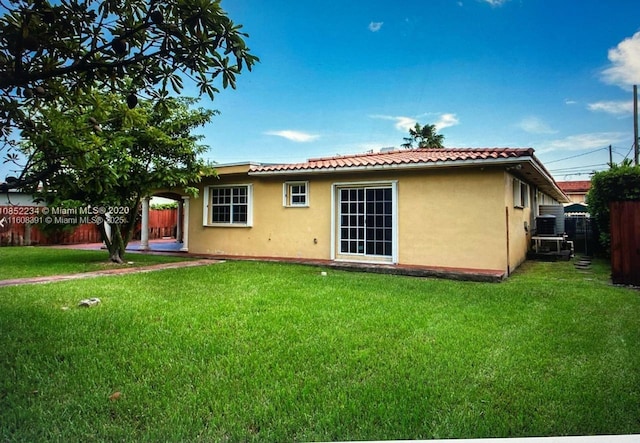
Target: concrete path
(117,271)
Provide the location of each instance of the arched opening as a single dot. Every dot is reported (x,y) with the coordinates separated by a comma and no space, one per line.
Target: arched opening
(164,227)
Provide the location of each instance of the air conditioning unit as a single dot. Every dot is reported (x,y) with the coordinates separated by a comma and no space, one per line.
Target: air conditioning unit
(558,211)
(546,225)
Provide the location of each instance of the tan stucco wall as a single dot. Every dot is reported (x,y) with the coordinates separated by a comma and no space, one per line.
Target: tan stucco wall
(520,220)
(277,231)
(448,217)
(453,219)
(577,198)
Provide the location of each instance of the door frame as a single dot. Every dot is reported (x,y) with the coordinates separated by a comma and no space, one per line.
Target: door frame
(335,225)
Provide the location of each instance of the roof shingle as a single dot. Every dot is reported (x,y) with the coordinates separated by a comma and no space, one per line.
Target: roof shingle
(575,186)
(398,158)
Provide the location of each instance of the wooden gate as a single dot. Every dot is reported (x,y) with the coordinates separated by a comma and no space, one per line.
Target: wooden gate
(625,242)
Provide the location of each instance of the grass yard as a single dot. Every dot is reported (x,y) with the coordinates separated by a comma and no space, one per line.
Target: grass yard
(24,261)
(244,351)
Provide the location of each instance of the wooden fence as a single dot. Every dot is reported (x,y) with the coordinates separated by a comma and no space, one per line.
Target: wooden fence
(162,223)
(625,242)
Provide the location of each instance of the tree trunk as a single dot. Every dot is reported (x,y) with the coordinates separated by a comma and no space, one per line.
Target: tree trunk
(114,245)
(115,257)
(118,246)
(120,235)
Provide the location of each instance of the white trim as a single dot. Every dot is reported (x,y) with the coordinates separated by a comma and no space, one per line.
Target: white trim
(333,222)
(394,224)
(393,184)
(144,232)
(207,207)
(226,165)
(521,193)
(185,221)
(286,200)
(368,184)
(550,179)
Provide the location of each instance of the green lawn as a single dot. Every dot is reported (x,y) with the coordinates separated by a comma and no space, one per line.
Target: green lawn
(21,261)
(273,352)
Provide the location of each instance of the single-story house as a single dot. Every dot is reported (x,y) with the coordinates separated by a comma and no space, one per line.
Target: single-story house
(465,209)
(576,190)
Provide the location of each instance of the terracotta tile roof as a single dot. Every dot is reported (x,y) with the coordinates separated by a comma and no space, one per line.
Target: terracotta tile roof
(398,158)
(575,186)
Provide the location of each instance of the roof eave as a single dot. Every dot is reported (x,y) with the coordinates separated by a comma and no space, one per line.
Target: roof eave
(551,185)
(393,166)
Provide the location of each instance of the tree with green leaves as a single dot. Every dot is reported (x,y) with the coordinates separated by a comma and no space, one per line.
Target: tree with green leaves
(423,137)
(58,51)
(619,183)
(111,156)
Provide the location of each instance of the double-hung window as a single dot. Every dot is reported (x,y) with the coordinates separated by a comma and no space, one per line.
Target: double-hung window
(296,194)
(229,205)
(520,194)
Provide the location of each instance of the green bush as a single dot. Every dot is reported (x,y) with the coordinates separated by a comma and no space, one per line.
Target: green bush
(620,183)
(160,206)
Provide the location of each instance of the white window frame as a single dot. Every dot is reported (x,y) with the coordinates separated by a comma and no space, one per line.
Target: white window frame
(208,207)
(335,189)
(520,194)
(287,194)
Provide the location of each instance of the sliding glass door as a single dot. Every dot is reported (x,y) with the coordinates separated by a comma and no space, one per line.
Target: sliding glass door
(365,220)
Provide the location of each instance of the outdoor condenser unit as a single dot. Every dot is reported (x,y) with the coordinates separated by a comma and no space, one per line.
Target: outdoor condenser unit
(546,225)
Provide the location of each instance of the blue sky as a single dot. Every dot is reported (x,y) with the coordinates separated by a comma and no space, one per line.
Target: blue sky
(339,77)
(348,76)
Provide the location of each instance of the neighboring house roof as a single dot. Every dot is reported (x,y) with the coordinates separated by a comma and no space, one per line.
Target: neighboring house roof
(13,197)
(523,161)
(575,187)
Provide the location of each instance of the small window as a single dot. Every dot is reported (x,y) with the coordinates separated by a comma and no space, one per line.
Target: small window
(520,194)
(229,205)
(296,194)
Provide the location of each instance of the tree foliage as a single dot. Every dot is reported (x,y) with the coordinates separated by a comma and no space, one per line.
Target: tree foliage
(423,137)
(59,51)
(619,183)
(127,154)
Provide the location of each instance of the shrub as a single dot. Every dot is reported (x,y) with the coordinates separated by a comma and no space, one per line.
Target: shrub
(160,206)
(620,183)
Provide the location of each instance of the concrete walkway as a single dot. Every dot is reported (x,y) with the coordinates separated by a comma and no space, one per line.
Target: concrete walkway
(117,271)
(162,245)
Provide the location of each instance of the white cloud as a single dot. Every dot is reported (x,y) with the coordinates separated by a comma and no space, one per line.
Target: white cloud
(534,125)
(294,136)
(568,101)
(495,2)
(405,123)
(375,26)
(446,120)
(587,141)
(612,107)
(401,123)
(625,63)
